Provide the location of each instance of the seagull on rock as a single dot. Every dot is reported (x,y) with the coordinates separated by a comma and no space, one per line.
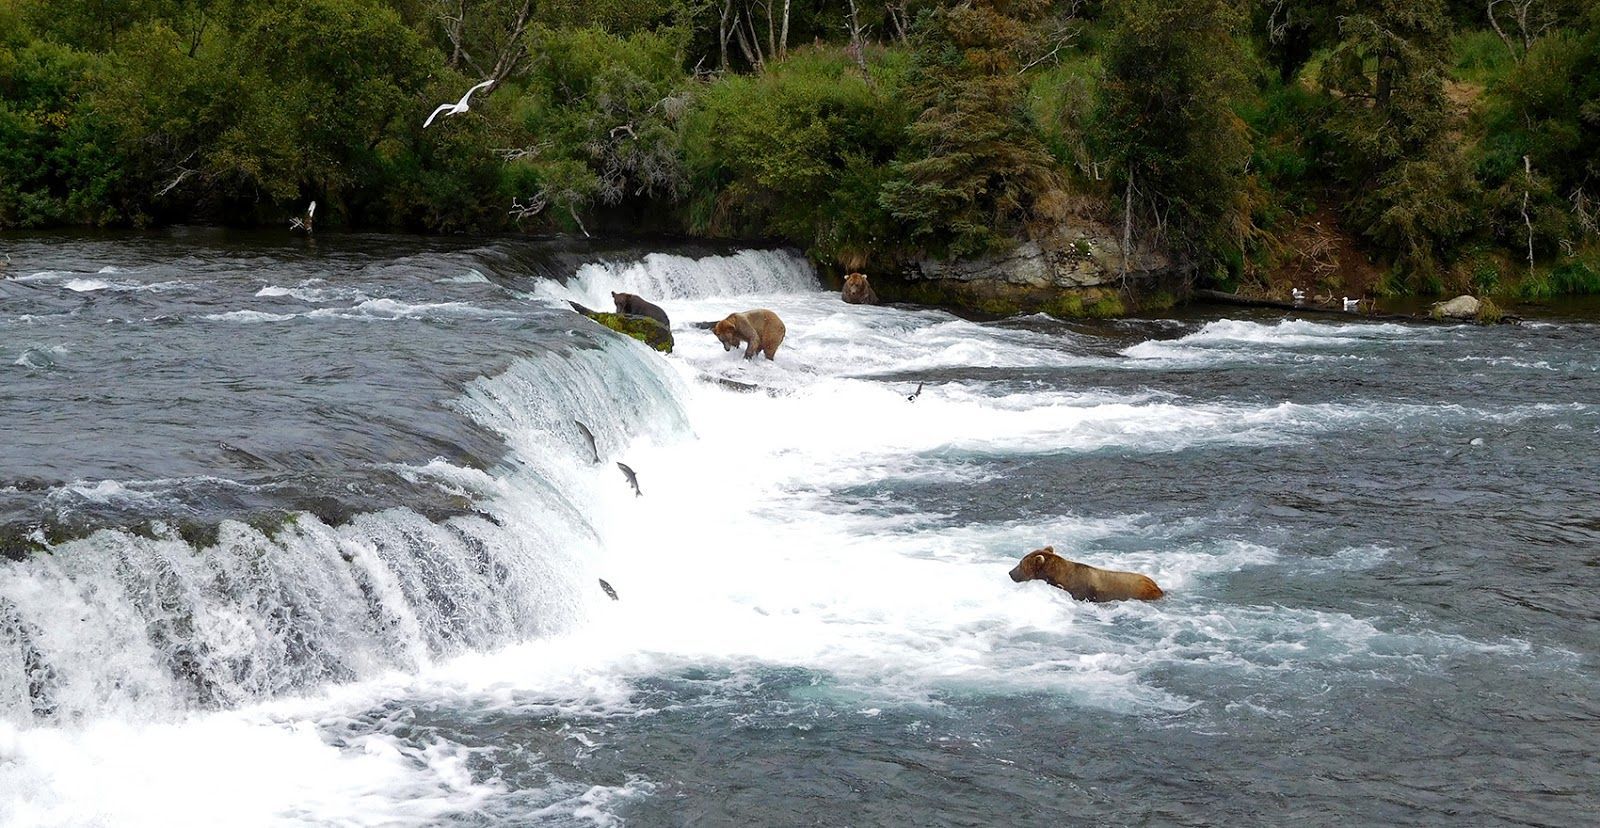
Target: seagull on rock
(458,107)
(1351,304)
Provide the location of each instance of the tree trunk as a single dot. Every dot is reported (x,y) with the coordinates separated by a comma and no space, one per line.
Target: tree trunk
(1527,167)
(749,44)
(724,31)
(1127,225)
(783,36)
(1495,24)
(514,49)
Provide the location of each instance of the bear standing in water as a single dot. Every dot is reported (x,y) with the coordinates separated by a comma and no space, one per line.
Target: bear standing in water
(637,306)
(858,291)
(1084,582)
(761,328)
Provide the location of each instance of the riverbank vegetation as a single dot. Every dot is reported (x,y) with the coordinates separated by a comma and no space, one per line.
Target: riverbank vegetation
(1347,147)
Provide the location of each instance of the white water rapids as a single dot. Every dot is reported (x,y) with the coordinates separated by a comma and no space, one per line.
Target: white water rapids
(147,682)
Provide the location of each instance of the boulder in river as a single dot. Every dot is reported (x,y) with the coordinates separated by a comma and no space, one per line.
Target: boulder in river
(1461,307)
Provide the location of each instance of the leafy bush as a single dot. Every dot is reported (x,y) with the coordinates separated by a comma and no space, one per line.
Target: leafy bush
(798,153)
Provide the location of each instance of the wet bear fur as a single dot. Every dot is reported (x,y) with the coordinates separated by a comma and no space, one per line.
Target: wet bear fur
(1084,582)
(758,330)
(858,291)
(636,305)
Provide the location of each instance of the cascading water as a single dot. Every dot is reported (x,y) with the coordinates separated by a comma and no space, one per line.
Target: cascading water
(139,624)
(321,539)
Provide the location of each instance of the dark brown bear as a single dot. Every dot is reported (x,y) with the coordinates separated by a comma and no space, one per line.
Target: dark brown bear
(630,303)
(760,328)
(1084,582)
(858,291)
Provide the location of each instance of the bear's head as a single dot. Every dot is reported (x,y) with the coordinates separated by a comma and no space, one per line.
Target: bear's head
(727,333)
(621,300)
(1034,564)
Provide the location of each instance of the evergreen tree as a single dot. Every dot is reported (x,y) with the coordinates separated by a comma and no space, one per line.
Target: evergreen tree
(1405,182)
(1167,118)
(975,172)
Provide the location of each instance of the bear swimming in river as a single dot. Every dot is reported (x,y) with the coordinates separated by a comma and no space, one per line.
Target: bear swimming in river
(858,291)
(636,305)
(760,328)
(1084,582)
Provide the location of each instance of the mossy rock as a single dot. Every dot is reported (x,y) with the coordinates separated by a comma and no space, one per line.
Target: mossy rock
(642,328)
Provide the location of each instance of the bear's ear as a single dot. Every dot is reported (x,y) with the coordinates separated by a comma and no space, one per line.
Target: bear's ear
(1050,549)
(614,294)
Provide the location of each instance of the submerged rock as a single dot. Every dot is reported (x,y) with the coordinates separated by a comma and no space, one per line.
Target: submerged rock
(643,328)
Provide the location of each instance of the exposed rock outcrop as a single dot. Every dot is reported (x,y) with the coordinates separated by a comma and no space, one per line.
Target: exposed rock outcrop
(642,328)
(1461,307)
(1079,256)
(1075,271)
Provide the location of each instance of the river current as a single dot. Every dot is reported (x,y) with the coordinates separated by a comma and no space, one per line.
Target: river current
(304,533)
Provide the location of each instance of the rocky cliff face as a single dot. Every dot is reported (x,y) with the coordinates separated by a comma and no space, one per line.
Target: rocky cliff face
(1079,256)
(1074,271)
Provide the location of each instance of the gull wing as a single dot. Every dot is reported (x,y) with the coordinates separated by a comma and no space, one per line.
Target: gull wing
(463,102)
(442,107)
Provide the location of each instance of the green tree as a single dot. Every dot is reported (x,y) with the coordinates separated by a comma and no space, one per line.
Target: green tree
(1167,115)
(1541,160)
(974,173)
(1405,183)
(798,153)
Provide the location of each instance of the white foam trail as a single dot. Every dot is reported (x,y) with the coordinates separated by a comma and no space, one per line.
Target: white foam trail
(370,310)
(86,285)
(249,316)
(315,291)
(1232,339)
(471,277)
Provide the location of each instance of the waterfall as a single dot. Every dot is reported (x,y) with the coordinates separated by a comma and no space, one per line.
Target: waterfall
(143,624)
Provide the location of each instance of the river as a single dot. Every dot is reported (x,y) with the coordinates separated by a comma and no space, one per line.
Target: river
(304,533)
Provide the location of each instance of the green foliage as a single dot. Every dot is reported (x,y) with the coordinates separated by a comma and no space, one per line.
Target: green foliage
(1542,153)
(1480,57)
(798,152)
(973,173)
(1172,82)
(1062,100)
(1578,277)
(1406,186)
(1443,147)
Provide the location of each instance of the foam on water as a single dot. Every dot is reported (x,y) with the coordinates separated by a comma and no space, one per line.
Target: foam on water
(315,291)
(1229,340)
(141,660)
(662,277)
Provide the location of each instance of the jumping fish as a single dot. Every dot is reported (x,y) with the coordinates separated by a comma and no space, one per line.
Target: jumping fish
(633,479)
(589,435)
(609,591)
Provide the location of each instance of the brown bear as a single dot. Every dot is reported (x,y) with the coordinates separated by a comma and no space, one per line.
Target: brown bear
(858,291)
(761,328)
(636,305)
(1084,582)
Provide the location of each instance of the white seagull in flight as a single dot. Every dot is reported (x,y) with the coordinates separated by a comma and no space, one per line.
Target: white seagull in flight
(458,107)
